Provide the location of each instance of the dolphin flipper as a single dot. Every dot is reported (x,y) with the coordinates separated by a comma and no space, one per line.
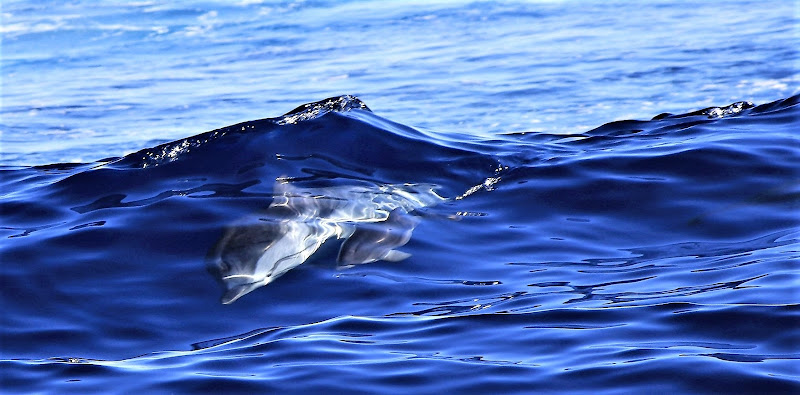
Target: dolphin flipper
(395,256)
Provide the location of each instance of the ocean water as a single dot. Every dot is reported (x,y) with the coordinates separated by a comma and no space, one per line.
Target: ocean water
(621,191)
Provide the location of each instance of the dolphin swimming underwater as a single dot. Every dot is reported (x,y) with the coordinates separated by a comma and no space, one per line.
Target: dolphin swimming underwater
(376,241)
(256,250)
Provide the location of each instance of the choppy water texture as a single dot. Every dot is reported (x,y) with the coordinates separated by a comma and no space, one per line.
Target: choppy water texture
(640,255)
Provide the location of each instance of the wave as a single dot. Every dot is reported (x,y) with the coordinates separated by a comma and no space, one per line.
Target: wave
(550,259)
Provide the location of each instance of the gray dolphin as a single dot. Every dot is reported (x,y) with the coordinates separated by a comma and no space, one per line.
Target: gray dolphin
(377,241)
(257,249)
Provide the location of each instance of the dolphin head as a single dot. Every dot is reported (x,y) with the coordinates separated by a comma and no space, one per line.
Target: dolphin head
(250,256)
(238,286)
(234,259)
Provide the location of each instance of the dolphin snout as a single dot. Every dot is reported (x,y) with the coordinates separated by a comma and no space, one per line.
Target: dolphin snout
(239,285)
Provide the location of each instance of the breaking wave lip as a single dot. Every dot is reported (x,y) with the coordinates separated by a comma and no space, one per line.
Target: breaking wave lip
(169,152)
(172,151)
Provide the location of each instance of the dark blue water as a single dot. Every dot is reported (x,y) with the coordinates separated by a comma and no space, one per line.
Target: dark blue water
(638,256)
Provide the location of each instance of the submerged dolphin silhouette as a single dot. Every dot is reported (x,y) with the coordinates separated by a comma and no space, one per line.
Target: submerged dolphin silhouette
(256,250)
(377,241)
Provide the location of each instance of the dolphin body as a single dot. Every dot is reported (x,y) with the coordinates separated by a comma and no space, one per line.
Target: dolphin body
(257,249)
(376,241)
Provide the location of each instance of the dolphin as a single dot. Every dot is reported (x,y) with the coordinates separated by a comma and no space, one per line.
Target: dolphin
(375,220)
(377,241)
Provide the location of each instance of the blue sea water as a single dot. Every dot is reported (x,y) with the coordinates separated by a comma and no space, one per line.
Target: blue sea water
(622,184)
